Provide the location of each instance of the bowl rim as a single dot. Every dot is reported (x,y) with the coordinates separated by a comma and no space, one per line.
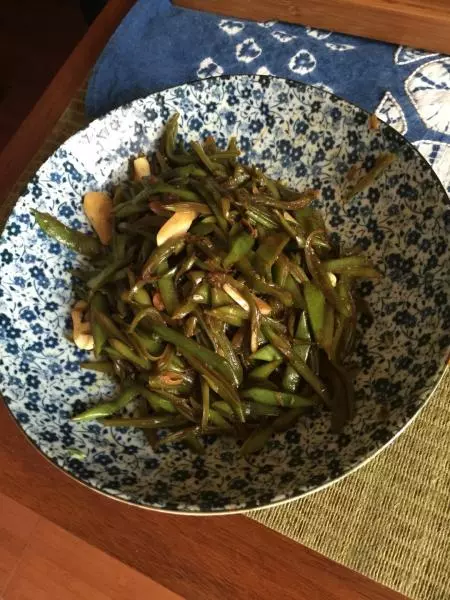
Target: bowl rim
(444,366)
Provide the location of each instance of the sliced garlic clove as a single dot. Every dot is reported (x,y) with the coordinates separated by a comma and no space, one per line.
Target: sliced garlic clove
(263,307)
(141,167)
(84,341)
(236,295)
(81,329)
(98,209)
(253,341)
(332,279)
(178,224)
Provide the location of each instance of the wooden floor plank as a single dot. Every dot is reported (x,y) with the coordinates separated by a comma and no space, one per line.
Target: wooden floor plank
(57,565)
(16,525)
(214,558)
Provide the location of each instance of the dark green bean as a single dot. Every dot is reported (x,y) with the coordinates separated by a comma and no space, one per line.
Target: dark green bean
(315,305)
(262,287)
(209,196)
(269,183)
(165,188)
(75,240)
(296,361)
(169,142)
(287,419)
(310,219)
(214,380)
(240,247)
(220,298)
(340,265)
(108,326)
(186,345)
(268,252)
(156,422)
(193,443)
(231,314)
(259,216)
(319,275)
(210,164)
(184,171)
(328,329)
(224,348)
(265,370)
(205,402)
(99,303)
(107,274)
(103,366)
(256,440)
(294,289)
(252,410)
(171,247)
(293,269)
(109,408)
(128,353)
(345,303)
(277,398)
(302,344)
(219,420)
(301,201)
(167,289)
(237,179)
(293,229)
(267,353)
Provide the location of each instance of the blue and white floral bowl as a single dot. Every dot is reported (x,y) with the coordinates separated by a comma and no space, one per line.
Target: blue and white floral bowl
(307,137)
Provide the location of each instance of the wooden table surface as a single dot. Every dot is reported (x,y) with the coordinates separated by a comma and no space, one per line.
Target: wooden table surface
(200,558)
(418,23)
(197,557)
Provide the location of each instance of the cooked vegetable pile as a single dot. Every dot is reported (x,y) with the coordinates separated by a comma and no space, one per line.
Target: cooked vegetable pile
(214,297)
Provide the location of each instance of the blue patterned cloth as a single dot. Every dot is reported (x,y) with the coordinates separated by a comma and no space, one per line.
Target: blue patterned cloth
(159,45)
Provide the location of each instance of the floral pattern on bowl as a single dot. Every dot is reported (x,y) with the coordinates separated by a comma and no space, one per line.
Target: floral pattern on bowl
(306,137)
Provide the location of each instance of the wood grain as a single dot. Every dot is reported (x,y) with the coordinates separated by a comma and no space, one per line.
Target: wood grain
(16,526)
(418,23)
(56,564)
(37,125)
(200,558)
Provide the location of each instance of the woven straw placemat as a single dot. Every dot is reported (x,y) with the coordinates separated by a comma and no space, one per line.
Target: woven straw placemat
(390,520)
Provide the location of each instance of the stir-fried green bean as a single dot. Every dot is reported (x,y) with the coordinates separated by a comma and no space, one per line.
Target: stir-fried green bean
(75,240)
(219,304)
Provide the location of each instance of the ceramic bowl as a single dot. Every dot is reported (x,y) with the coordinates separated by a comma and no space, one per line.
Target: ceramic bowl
(308,138)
